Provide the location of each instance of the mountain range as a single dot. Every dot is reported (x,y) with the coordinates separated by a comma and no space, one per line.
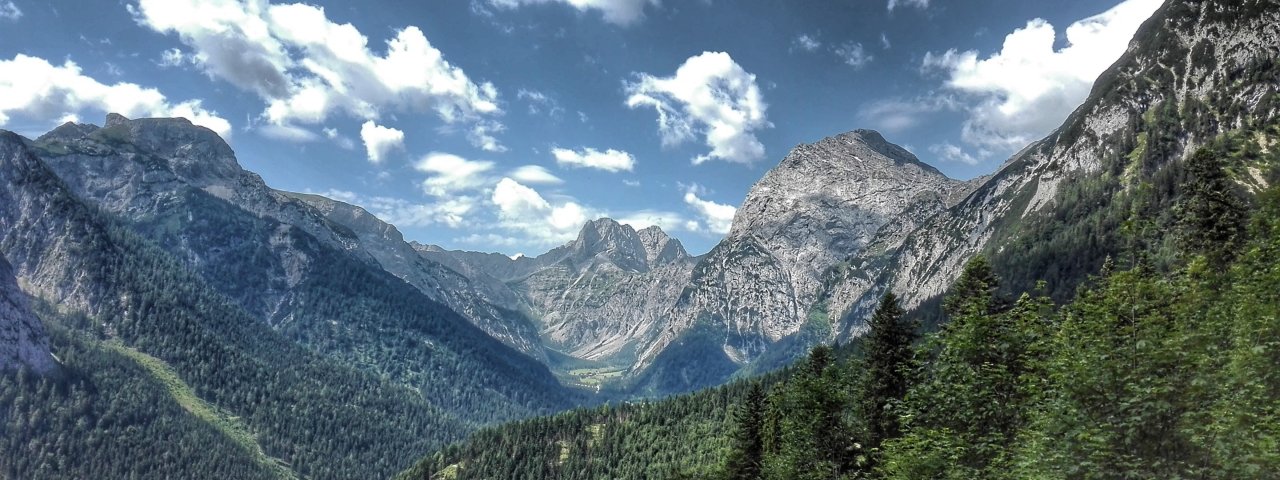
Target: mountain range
(310,339)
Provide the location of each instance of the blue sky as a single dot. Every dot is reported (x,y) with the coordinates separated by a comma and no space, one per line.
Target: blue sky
(502,125)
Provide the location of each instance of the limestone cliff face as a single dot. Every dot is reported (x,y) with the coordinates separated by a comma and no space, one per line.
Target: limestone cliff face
(23,342)
(599,297)
(182,186)
(824,202)
(1207,67)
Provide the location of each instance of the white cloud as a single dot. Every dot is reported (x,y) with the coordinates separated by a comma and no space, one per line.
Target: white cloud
(35,89)
(853,55)
(9,11)
(620,12)
(710,95)
(174,58)
(288,133)
(535,175)
(522,209)
(921,4)
(806,42)
(668,221)
(898,115)
(609,160)
(953,153)
(1029,87)
(884,41)
(403,213)
(540,103)
(449,174)
(380,141)
(307,68)
(482,136)
(716,217)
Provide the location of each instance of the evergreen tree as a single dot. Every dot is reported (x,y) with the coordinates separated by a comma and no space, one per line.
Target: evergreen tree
(1211,216)
(748,442)
(889,357)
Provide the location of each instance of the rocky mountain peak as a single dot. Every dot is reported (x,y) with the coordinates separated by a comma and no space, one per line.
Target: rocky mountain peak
(114,119)
(857,178)
(69,131)
(660,248)
(612,242)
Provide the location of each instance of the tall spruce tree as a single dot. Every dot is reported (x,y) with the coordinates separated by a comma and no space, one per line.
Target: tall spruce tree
(746,460)
(890,354)
(1211,216)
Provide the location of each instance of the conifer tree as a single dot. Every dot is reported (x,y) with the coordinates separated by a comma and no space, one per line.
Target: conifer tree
(1211,217)
(747,457)
(890,354)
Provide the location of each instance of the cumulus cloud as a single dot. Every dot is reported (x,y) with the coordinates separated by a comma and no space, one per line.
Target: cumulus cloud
(712,96)
(380,141)
(620,12)
(853,54)
(307,68)
(715,217)
(535,175)
(9,11)
(523,210)
(609,160)
(921,4)
(40,91)
(449,174)
(1029,87)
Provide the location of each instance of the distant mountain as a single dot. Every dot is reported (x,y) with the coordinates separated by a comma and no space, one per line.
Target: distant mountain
(824,202)
(494,310)
(637,300)
(23,342)
(598,298)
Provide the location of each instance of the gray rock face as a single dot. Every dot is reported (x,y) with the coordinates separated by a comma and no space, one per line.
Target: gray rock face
(162,173)
(1195,50)
(823,203)
(598,297)
(22,337)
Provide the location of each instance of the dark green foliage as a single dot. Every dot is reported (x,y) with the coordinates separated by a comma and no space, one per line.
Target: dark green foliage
(104,417)
(889,362)
(972,395)
(746,459)
(680,437)
(1210,214)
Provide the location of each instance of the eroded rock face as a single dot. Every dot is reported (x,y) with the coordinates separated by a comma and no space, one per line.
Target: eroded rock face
(823,203)
(599,297)
(181,184)
(1198,57)
(23,342)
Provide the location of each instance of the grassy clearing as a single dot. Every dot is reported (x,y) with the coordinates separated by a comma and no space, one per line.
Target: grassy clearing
(229,425)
